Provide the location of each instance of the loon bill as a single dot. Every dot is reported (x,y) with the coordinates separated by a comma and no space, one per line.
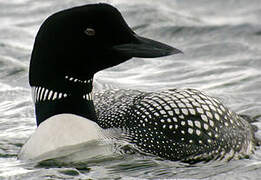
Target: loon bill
(176,124)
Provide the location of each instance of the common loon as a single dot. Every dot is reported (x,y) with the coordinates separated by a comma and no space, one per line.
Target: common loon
(175,124)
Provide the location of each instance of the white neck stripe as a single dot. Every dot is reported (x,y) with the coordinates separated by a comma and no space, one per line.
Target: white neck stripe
(72,79)
(44,94)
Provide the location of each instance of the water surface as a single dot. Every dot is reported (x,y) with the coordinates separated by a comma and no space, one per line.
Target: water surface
(221,41)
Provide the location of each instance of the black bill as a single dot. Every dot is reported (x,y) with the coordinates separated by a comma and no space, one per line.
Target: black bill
(145,48)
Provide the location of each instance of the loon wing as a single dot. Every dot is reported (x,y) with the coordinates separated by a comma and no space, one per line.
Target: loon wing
(175,124)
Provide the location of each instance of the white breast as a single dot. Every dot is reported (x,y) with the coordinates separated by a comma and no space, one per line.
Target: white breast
(60,131)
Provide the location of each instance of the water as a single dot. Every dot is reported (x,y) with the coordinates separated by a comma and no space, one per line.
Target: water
(222,56)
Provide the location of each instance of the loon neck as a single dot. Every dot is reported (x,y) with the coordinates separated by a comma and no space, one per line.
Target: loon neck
(50,102)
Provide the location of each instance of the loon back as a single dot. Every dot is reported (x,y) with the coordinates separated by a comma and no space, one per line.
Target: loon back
(71,46)
(176,124)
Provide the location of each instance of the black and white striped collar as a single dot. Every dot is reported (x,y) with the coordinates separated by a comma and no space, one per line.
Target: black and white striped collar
(76,80)
(41,94)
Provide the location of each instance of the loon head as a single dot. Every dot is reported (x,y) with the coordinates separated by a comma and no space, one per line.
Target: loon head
(72,45)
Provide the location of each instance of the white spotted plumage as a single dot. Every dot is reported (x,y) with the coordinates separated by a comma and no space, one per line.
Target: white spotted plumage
(167,123)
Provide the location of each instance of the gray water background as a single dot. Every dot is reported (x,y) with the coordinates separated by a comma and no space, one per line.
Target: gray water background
(221,41)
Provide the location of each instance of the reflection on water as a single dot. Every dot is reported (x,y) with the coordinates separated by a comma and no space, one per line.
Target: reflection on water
(222,57)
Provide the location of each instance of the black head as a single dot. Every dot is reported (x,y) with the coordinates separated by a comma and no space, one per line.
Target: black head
(71,46)
(81,41)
